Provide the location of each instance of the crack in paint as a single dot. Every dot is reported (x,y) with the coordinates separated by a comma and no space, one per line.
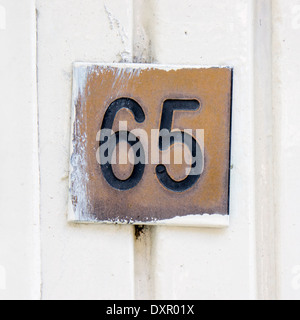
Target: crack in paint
(115,24)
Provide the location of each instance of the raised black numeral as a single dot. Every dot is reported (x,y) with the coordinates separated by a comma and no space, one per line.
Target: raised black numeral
(167,138)
(178,137)
(132,140)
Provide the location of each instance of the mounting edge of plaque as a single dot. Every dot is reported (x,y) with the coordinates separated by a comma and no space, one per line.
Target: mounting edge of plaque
(217,221)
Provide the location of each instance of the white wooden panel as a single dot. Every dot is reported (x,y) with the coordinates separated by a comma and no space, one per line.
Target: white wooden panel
(212,264)
(78,261)
(286,70)
(264,150)
(19,200)
(81,261)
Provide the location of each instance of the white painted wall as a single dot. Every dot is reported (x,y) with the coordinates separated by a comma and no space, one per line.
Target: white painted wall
(199,263)
(286,66)
(88,262)
(19,195)
(39,249)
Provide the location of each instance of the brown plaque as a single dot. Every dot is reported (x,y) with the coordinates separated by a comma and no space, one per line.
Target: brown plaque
(150,144)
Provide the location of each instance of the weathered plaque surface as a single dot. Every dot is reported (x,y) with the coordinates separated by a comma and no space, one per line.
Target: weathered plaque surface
(150,144)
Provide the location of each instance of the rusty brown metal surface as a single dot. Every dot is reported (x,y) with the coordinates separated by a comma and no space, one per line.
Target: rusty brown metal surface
(96,87)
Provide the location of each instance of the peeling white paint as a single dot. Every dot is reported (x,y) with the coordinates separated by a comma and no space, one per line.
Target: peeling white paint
(80,75)
(144,66)
(78,178)
(115,24)
(205,221)
(143,33)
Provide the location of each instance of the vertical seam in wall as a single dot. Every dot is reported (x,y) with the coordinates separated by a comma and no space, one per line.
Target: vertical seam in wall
(275,294)
(276,144)
(264,151)
(38,138)
(143,242)
(253,270)
(274,147)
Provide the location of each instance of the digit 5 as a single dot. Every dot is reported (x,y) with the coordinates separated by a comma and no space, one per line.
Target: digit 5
(168,137)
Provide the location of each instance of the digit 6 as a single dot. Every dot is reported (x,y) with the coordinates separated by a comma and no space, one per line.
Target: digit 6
(114,139)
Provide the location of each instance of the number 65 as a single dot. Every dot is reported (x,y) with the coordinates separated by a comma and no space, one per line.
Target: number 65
(167,138)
